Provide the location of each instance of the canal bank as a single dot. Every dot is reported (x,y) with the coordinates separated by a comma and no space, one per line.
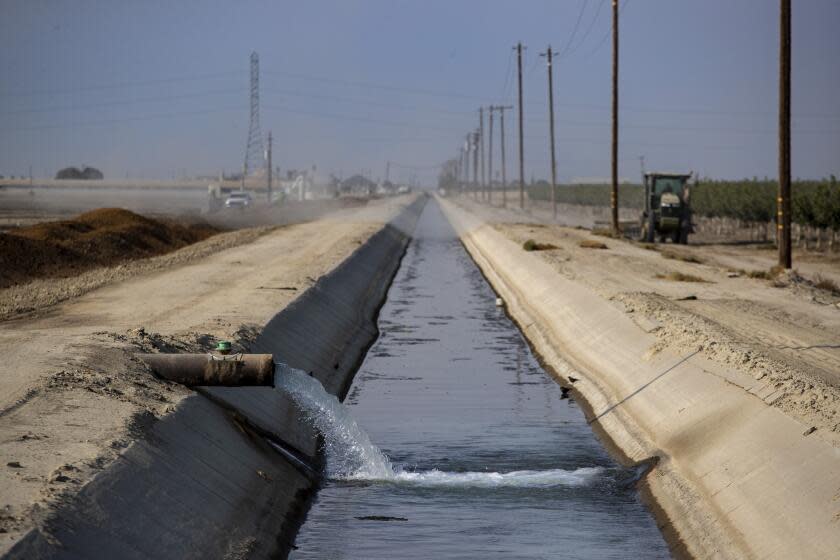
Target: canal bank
(735,478)
(483,455)
(229,472)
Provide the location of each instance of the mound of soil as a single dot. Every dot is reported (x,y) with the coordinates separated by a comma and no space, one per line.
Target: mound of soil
(103,237)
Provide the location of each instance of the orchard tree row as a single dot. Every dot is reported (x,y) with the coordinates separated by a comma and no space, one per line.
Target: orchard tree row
(815,203)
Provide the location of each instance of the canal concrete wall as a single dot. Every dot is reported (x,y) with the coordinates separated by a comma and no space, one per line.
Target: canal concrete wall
(230,473)
(735,478)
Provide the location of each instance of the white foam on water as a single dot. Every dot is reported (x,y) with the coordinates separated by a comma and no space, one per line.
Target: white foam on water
(513,479)
(352,456)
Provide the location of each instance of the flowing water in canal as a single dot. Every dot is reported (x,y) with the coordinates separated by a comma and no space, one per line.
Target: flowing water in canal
(454,443)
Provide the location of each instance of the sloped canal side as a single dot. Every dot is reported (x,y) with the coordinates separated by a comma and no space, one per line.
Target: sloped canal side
(224,475)
(489,457)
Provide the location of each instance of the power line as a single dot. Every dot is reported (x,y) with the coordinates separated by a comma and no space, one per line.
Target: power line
(691,111)
(589,29)
(508,74)
(308,95)
(127,119)
(178,114)
(685,128)
(119,85)
(357,119)
(370,85)
(125,102)
(575,30)
(296,93)
(416,167)
(607,34)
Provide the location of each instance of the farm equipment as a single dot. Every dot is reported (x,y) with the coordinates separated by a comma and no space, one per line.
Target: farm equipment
(667,212)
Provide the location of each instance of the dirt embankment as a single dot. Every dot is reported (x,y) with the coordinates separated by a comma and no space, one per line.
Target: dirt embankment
(103,237)
(72,394)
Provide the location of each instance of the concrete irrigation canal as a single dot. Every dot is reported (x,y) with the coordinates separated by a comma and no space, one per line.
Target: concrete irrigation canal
(409,418)
(486,455)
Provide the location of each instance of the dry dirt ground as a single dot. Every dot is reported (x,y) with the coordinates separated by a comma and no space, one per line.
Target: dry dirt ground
(72,395)
(784,329)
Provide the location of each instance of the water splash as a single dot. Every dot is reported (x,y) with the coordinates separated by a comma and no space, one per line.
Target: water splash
(352,456)
(350,453)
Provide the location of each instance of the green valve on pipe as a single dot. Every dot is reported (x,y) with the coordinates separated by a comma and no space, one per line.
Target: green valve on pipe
(223,347)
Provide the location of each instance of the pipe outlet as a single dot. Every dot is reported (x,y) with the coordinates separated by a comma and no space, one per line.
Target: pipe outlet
(235,370)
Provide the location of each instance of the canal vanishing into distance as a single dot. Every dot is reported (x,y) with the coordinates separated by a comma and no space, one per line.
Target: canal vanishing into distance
(481,454)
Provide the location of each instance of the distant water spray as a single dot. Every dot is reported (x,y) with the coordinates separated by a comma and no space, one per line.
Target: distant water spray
(352,456)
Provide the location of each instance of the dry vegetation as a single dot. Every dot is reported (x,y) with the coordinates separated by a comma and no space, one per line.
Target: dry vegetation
(531,245)
(591,244)
(684,257)
(681,277)
(827,284)
(605,232)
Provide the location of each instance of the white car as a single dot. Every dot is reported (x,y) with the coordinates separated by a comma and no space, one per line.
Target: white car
(238,199)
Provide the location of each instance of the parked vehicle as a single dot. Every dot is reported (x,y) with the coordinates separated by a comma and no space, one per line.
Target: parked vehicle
(239,199)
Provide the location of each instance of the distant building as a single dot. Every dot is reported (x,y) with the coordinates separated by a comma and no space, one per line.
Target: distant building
(358,185)
(86,174)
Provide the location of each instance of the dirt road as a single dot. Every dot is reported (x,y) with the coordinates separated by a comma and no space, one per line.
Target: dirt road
(71,393)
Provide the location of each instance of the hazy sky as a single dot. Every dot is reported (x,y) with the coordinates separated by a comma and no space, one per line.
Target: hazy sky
(157,89)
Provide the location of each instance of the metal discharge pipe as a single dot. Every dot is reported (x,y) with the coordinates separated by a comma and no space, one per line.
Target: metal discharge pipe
(235,370)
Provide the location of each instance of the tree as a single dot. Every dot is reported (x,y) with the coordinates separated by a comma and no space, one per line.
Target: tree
(448,176)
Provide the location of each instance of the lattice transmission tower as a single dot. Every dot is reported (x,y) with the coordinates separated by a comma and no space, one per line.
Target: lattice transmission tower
(254,151)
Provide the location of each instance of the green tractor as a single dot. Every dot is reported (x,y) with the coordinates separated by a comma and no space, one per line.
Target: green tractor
(667,211)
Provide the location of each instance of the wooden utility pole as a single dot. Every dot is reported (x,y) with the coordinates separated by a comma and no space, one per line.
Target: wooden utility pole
(481,148)
(783,212)
(548,56)
(502,134)
(490,159)
(268,158)
(475,165)
(460,174)
(467,144)
(614,156)
(521,132)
